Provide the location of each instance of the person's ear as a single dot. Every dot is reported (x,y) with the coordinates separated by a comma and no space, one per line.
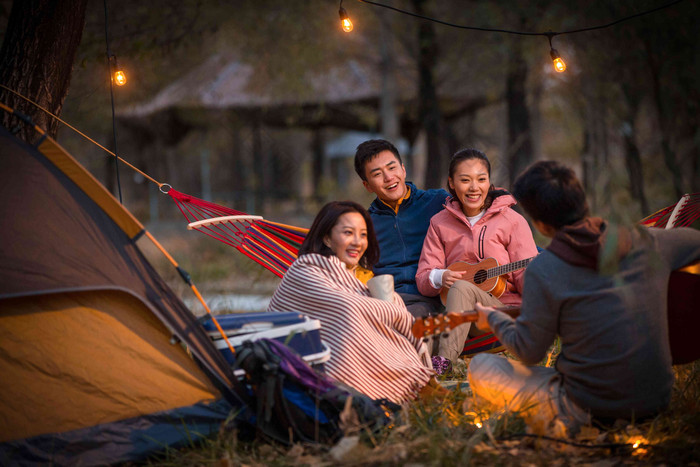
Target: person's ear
(450,183)
(367,187)
(545,229)
(327,241)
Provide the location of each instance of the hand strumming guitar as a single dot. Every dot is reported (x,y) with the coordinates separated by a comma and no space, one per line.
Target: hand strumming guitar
(482,322)
(450,277)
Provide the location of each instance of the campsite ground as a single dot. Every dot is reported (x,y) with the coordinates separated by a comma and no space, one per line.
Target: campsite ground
(443,432)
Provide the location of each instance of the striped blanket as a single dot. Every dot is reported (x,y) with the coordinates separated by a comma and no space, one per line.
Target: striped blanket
(372,348)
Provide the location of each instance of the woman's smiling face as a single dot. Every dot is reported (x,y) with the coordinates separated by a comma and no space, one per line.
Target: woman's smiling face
(471,184)
(348,238)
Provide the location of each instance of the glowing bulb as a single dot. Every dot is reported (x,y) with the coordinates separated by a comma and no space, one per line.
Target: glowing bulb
(347,25)
(119,78)
(344,20)
(636,444)
(559,64)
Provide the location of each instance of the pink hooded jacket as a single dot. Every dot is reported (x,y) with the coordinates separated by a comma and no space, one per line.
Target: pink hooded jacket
(501,233)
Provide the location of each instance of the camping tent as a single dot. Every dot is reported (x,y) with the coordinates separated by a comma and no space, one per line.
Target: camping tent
(100,361)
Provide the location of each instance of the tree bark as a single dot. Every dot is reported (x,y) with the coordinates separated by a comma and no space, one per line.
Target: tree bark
(389,96)
(664,117)
(633,159)
(519,131)
(428,106)
(36,59)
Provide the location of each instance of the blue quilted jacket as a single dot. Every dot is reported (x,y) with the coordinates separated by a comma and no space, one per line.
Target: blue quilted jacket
(401,235)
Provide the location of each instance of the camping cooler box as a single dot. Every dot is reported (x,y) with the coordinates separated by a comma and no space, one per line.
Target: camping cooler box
(296,330)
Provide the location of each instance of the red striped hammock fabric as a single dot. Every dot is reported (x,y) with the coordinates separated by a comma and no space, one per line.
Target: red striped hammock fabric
(275,246)
(270,244)
(682,214)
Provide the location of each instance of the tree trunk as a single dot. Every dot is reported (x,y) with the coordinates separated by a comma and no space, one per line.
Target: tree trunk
(664,117)
(633,160)
(319,163)
(519,131)
(428,107)
(389,96)
(36,58)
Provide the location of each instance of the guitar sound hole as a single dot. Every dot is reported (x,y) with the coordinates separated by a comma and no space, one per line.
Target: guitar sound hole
(480,277)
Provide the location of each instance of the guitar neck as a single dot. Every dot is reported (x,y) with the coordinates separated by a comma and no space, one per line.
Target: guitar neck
(506,268)
(424,327)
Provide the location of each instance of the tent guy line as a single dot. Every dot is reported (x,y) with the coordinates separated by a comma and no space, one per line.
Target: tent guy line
(183,274)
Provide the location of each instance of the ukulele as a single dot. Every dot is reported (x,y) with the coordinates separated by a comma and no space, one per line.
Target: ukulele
(486,274)
(425,327)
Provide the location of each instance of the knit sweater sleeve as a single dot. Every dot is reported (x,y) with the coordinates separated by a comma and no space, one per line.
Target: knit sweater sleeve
(529,336)
(680,246)
(432,257)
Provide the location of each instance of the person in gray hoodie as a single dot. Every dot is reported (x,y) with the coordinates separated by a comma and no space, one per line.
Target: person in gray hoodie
(600,287)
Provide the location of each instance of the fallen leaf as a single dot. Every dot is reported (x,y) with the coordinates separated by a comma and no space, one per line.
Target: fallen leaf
(344,446)
(296,450)
(588,433)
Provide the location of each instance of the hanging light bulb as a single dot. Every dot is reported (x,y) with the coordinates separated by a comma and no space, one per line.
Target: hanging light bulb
(119,78)
(344,19)
(118,75)
(559,64)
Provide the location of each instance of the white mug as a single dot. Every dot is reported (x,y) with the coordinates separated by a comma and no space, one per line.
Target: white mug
(382,287)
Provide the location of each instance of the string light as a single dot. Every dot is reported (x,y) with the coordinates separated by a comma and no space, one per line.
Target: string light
(118,75)
(119,78)
(558,62)
(344,19)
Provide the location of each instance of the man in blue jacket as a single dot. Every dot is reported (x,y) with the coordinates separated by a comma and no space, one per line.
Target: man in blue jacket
(401,215)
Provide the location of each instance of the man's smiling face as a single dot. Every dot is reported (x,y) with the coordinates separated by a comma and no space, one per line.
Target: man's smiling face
(386,178)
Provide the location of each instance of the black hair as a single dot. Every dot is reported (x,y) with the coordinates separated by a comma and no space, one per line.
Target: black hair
(467,154)
(368,150)
(324,222)
(551,193)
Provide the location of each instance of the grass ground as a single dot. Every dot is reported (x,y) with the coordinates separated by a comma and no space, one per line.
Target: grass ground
(449,432)
(454,431)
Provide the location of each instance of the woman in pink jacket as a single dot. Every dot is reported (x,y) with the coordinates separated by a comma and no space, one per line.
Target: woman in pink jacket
(476,224)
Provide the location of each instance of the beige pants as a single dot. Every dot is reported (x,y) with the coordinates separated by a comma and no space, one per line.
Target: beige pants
(535,392)
(462,296)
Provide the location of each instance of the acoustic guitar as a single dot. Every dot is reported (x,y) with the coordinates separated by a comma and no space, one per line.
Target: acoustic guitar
(425,327)
(486,274)
(684,313)
(683,316)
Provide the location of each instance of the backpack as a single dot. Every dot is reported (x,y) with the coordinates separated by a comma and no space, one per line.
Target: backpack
(296,403)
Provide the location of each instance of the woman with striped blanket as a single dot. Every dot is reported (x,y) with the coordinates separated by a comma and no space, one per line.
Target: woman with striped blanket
(372,348)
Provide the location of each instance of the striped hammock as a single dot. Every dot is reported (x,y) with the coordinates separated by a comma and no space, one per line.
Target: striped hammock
(275,246)
(682,214)
(270,244)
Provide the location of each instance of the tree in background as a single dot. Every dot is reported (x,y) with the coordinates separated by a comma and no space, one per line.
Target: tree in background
(639,104)
(36,58)
(625,113)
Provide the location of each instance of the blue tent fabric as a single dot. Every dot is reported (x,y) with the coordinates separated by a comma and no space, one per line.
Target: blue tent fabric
(132,439)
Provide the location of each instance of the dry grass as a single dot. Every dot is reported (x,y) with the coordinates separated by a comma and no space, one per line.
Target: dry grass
(454,432)
(442,433)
